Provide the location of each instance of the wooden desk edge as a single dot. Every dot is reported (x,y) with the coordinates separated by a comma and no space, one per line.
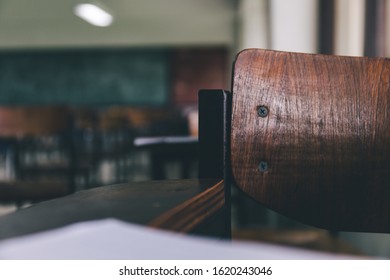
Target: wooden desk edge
(188,215)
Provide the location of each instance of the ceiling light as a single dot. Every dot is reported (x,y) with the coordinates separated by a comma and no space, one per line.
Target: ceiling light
(93,14)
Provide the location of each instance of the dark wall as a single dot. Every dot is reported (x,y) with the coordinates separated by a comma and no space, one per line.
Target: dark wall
(194,69)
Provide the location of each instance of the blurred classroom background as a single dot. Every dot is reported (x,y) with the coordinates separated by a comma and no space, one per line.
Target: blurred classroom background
(91,94)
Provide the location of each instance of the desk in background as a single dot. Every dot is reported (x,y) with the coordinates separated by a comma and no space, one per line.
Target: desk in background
(183,149)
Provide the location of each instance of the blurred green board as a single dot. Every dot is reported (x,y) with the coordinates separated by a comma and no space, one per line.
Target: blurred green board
(84,77)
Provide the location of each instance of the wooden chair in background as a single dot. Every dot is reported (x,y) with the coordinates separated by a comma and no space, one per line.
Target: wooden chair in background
(135,124)
(38,143)
(108,149)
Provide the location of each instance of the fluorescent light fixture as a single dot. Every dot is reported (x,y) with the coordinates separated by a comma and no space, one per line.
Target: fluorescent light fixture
(93,14)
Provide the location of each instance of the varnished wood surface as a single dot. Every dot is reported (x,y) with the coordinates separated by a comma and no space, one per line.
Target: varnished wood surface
(141,203)
(326,139)
(187,215)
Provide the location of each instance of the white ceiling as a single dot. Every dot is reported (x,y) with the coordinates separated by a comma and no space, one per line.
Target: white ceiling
(51,23)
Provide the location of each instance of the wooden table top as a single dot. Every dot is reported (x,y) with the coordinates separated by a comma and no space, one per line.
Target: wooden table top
(179,205)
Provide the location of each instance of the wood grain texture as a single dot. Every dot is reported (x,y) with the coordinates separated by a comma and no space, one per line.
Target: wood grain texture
(326,138)
(186,216)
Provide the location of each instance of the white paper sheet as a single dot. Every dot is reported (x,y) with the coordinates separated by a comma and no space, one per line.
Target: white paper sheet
(115,240)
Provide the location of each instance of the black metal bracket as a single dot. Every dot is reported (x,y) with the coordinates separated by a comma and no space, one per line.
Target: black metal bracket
(214,141)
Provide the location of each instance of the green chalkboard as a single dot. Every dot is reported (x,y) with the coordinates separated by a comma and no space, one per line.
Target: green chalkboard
(84,77)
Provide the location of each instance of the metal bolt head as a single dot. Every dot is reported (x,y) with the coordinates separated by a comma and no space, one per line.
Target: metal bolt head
(262,111)
(263,166)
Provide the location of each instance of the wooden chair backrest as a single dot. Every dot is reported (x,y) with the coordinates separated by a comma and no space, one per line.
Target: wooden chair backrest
(116,117)
(20,121)
(311,137)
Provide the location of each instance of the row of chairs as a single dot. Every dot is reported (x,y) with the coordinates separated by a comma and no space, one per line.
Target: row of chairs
(35,145)
(51,151)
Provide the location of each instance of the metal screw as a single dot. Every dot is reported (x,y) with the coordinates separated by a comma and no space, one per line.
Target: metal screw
(263,166)
(262,111)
